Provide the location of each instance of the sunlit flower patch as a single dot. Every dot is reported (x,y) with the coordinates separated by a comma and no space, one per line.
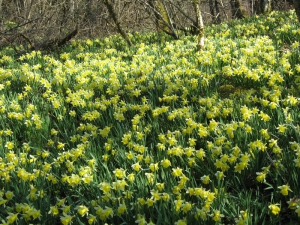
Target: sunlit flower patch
(156,134)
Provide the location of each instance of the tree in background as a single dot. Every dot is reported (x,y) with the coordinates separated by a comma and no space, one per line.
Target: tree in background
(266,6)
(215,11)
(114,16)
(38,24)
(297,8)
(163,18)
(237,9)
(48,24)
(170,16)
(200,25)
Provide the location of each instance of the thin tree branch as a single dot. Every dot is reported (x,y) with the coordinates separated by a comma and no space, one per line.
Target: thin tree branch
(182,12)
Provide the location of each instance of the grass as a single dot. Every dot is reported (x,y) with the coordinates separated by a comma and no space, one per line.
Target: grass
(160,133)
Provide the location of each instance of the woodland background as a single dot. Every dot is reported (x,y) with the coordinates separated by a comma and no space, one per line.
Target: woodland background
(46,24)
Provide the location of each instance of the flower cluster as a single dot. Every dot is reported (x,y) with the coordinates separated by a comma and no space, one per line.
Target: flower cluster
(157,133)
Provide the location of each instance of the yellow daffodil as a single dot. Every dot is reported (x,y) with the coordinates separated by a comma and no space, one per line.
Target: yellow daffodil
(66,219)
(284,189)
(275,209)
(82,210)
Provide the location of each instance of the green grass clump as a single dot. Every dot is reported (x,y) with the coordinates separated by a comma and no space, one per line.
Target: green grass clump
(159,133)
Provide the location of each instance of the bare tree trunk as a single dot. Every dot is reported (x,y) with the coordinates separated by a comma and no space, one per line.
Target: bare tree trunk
(212,10)
(115,18)
(262,6)
(238,12)
(218,16)
(257,7)
(214,5)
(162,18)
(266,6)
(200,25)
(297,8)
(169,20)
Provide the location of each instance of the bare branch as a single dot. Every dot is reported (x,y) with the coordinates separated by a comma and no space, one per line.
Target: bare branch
(114,16)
